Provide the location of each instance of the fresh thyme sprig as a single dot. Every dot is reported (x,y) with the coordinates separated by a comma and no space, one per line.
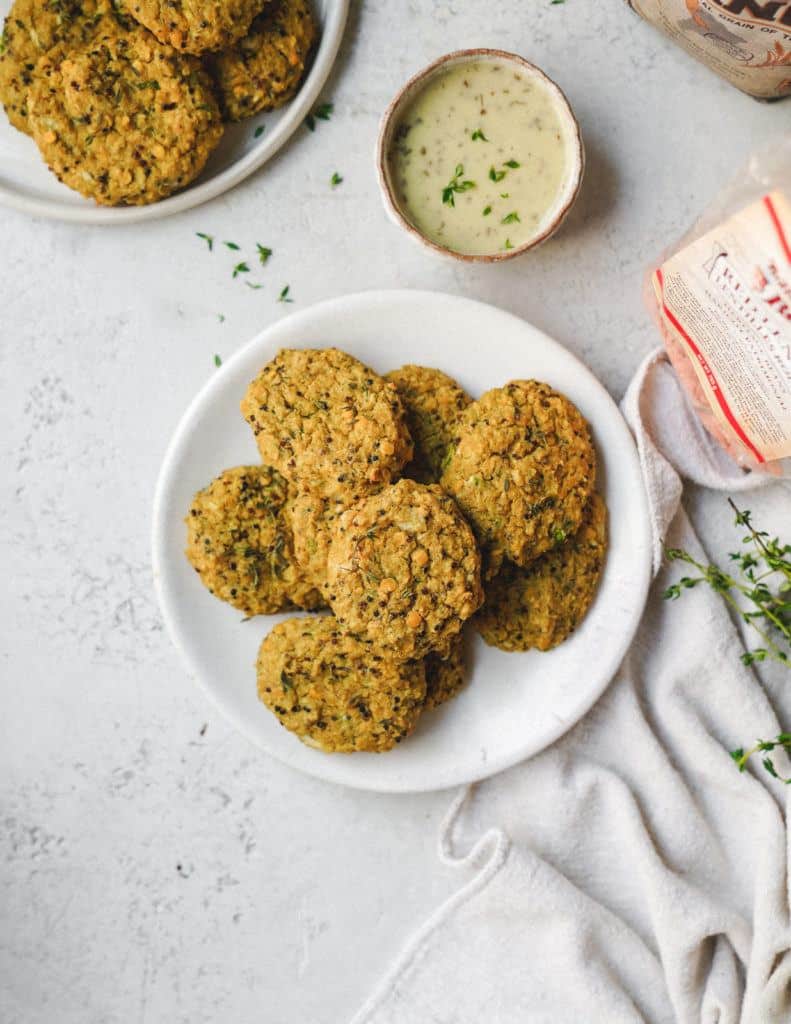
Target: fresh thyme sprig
(782,740)
(758,590)
(766,561)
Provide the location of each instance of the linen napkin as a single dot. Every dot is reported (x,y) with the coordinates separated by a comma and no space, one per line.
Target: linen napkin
(628,873)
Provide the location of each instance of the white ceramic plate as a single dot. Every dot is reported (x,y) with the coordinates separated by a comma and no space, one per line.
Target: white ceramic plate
(514,704)
(27,184)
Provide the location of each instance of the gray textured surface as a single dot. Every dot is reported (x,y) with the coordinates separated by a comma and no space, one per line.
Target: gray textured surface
(150,872)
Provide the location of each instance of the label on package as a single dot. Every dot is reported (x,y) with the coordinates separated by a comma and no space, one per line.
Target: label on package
(746,41)
(727,300)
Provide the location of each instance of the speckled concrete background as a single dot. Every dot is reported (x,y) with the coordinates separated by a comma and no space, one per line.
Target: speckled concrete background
(154,867)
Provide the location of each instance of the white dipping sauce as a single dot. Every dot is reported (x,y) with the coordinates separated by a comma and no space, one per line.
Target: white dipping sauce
(480,157)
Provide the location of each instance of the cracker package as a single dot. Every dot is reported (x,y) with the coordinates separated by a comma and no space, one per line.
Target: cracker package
(748,42)
(722,298)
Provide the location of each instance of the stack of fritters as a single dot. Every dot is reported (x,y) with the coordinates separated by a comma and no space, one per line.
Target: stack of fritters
(378,498)
(125,98)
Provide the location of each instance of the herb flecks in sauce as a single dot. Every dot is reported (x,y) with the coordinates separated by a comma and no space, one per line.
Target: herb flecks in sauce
(456,186)
(470,127)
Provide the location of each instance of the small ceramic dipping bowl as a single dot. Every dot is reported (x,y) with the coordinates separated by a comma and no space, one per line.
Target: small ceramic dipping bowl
(491,167)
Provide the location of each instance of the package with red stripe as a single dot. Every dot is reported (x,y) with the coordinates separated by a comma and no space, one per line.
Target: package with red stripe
(723,300)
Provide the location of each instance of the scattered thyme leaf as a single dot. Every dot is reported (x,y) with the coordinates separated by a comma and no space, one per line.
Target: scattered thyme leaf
(336,179)
(508,244)
(323,112)
(254,285)
(259,131)
(208,239)
(264,252)
(495,175)
(231,245)
(487,210)
(478,135)
(240,268)
(217,360)
(513,164)
(511,218)
(284,294)
(221,317)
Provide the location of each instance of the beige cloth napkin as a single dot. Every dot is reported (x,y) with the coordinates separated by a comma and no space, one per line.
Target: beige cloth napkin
(629,873)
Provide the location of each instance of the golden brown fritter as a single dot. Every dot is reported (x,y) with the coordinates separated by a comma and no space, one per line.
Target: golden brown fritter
(312,522)
(522,467)
(264,69)
(433,402)
(123,119)
(195,26)
(335,692)
(445,676)
(404,570)
(239,543)
(32,27)
(328,423)
(540,606)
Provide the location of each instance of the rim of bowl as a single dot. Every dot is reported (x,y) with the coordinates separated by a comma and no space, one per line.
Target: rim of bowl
(405,93)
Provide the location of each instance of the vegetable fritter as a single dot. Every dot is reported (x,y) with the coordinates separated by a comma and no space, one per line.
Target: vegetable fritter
(195,26)
(328,423)
(32,27)
(522,467)
(335,692)
(404,570)
(433,402)
(445,676)
(540,606)
(312,522)
(123,119)
(263,70)
(239,543)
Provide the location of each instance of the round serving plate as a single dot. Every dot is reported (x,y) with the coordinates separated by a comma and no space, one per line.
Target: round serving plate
(27,184)
(514,704)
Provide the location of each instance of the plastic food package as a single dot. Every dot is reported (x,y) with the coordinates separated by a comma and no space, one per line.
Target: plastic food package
(722,298)
(747,42)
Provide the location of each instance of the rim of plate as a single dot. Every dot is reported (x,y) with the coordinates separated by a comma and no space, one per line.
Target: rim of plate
(194,195)
(332,770)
